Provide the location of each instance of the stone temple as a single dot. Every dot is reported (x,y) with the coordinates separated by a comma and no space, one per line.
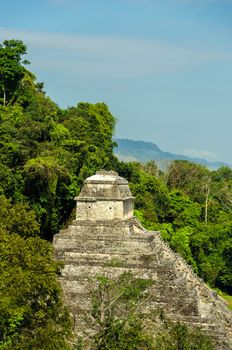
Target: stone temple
(105,196)
(106,230)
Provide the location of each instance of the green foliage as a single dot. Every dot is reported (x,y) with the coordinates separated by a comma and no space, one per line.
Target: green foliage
(59,134)
(179,337)
(11,69)
(227,297)
(46,152)
(45,155)
(18,218)
(180,242)
(184,212)
(79,344)
(123,334)
(196,215)
(211,248)
(186,176)
(115,262)
(32,314)
(151,197)
(114,308)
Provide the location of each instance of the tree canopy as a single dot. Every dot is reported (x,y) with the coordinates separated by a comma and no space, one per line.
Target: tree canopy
(45,154)
(12,70)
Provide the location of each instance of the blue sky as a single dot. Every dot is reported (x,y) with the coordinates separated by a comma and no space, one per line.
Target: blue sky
(164,67)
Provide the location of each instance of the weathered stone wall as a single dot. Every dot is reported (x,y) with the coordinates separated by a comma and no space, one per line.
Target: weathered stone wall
(104,196)
(101,235)
(100,210)
(87,250)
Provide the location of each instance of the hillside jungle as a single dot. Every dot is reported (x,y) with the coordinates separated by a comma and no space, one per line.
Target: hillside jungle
(46,153)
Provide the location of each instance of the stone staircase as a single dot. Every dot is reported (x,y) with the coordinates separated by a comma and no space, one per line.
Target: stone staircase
(111,248)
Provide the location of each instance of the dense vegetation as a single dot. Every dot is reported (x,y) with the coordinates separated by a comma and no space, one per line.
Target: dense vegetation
(45,154)
(192,208)
(120,320)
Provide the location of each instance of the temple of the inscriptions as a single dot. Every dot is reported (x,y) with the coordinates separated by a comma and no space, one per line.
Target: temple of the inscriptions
(104,230)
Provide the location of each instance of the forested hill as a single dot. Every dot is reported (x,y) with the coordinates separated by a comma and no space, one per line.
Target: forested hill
(142,151)
(45,154)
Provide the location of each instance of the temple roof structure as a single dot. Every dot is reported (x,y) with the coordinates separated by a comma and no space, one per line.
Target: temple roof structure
(105,185)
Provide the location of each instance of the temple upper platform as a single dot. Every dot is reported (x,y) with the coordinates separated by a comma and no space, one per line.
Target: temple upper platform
(105,196)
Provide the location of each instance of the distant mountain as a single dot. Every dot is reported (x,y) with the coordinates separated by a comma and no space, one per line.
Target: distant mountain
(129,150)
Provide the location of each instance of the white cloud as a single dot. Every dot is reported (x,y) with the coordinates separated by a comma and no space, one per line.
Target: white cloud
(104,56)
(205,154)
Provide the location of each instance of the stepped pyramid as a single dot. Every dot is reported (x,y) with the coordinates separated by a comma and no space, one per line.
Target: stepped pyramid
(106,230)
